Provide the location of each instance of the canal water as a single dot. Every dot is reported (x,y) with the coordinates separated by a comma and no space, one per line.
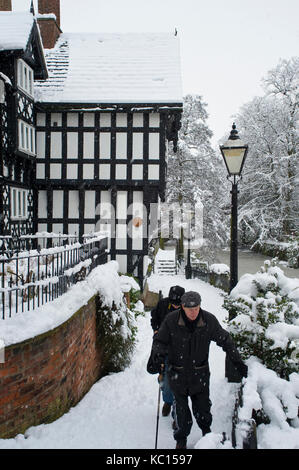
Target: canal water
(250,262)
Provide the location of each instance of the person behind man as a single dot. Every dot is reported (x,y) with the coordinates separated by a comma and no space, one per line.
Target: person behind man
(158,314)
(185,337)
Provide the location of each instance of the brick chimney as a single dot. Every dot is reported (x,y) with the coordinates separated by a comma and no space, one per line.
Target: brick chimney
(49,26)
(5,5)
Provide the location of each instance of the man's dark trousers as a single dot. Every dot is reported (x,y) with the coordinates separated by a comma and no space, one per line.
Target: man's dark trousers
(201,406)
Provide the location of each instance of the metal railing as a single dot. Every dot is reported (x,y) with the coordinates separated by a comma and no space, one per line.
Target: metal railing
(243,431)
(10,244)
(31,279)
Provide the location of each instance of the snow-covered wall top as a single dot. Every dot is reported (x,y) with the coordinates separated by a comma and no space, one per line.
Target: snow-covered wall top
(15,28)
(113,68)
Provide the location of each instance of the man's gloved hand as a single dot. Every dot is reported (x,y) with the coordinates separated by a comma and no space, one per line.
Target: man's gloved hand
(158,361)
(242,368)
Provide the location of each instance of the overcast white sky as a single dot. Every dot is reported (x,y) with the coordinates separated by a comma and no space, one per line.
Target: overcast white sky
(227,46)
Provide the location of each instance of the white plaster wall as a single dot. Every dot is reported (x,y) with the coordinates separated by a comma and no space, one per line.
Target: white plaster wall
(137,119)
(55,171)
(40,144)
(89,228)
(88,171)
(154,146)
(72,145)
(137,172)
(89,206)
(72,119)
(104,171)
(56,118)
(137,211)
(121,204)
(105,145)
(73,229)
(56,141)
(40,119)
(72,171)
(57,204)
(57,228)
(73,204)
(40,171)
(121,172)
(121,120)
(88,120)
(121,145)
(122,263)
(137,151)
(42,204)
(154,120)
(153,172)
(88,145)
(121,237)
(105,120)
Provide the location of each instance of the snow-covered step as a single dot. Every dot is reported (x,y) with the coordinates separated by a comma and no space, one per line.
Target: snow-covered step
(165,262)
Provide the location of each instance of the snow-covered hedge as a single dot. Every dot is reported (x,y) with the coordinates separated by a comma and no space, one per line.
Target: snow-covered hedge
(275,402)
(265,307)
(265,328)
(286,251)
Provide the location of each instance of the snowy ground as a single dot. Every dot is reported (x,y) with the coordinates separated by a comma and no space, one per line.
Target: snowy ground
(120,410)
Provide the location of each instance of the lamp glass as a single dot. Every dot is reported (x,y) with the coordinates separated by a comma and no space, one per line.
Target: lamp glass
(234,158)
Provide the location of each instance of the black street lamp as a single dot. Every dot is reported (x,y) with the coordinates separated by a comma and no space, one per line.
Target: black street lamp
(234,152)
(188,267)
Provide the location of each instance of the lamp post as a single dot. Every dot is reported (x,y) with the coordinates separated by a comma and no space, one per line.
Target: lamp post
(188,267)
(234,153)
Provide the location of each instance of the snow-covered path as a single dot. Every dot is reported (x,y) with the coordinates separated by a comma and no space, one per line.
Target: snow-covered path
(119,412)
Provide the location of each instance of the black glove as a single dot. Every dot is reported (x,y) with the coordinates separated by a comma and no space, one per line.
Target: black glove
(155,364)
(242,368)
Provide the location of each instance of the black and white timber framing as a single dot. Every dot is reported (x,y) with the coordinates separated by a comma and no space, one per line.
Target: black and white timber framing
(89,159)
(18,70)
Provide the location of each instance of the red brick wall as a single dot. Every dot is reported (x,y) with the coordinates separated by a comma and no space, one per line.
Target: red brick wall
(50,6)
(49,32)
(43,377)
(5,5)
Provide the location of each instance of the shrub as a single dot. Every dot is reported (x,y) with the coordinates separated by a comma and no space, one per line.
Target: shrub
(116,331)
(265,316)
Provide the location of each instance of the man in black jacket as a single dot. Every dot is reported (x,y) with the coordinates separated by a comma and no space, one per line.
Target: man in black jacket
(185,337)
(158,314)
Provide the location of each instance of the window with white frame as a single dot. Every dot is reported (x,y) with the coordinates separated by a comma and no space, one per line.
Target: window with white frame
(19,198)
(26,137)
(25,77)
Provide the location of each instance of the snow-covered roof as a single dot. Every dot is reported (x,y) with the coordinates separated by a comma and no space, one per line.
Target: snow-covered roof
(113,68)
(15,29)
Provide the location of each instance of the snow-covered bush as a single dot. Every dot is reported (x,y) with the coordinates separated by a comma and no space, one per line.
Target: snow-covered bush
(116,331)
(131,289)
(264,308)
(273,402)
(285,251)
(116,320)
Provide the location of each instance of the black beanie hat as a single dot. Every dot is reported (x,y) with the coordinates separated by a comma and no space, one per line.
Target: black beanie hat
(175,294)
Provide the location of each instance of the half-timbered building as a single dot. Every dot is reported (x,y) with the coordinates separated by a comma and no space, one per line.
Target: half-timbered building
(103,118)
(21,63)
